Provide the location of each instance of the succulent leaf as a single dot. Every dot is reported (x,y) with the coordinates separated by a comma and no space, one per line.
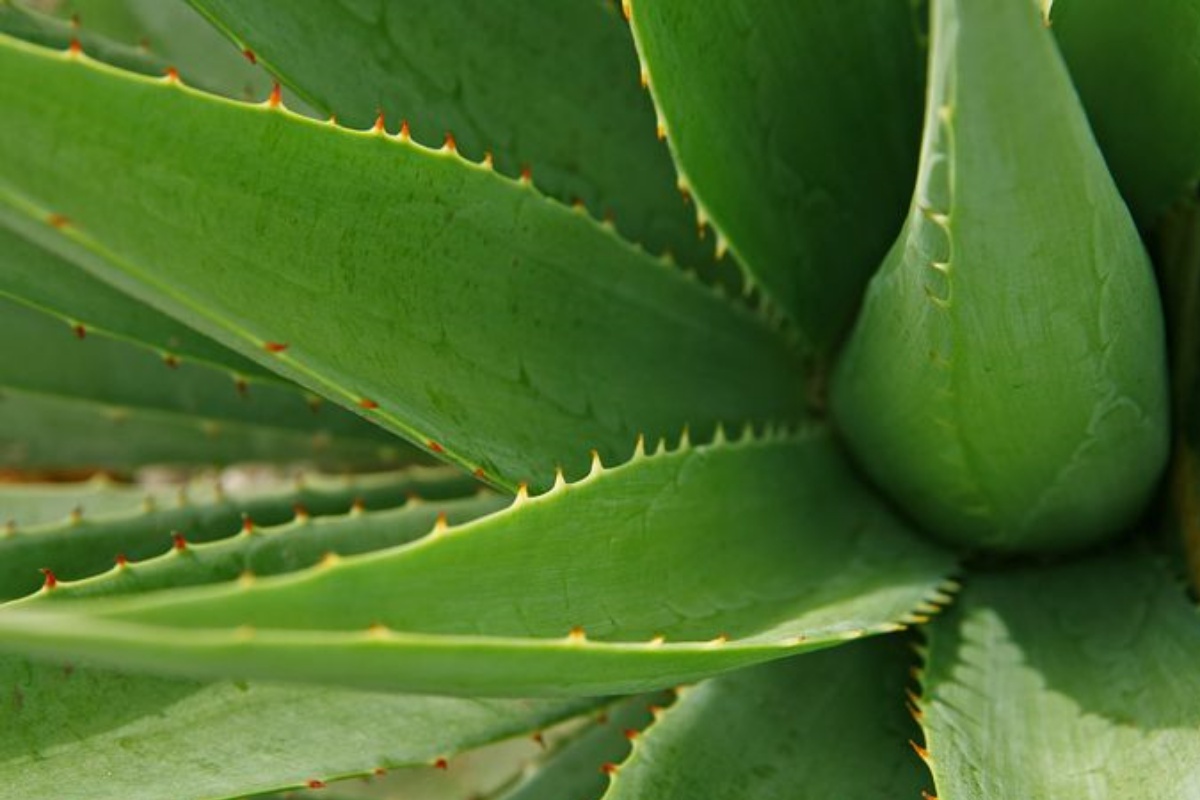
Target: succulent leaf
(639,584)
(1073,681)
(795,127)
(492,327)
(1006,380)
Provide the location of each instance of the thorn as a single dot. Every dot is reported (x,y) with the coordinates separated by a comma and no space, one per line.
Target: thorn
(379,772)
(58,221)
(249,54)
(171,360)
(539,739)
(275,347)
(75,517)
(921,752)
(434,446)
(449,145)
(329,559)
(405,133)
(577,635)
(74,49)
(526,174)
(608,768)
(441,764)
(522,494)
(80,331)
(685,438)
(275,98)
(657,641)
(626,10)
(380,126)
(660,130)
(655,710)
(488,161)
(241,387)
(719,639)
(172,75)
(479,473)
(122,561)
(631,733)
(560,480)
(927,796)
(178,542)
(246,579)
(597,466)
(644,78)
(300,513)
(377,630)
(10,527)
(315,784)
(50,581)
(441,524)
(247,524)
(358,506)
(367,404)
(639,447)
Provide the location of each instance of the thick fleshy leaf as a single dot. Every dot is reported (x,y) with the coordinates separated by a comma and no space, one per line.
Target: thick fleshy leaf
(1076,681)
(45,432)
(540,84)
(41,355)
(457,307)
(829,724)
(641,582)
(795,126)
(90,540)
(49,281)
(79,732)
(291,546)
(1136,70)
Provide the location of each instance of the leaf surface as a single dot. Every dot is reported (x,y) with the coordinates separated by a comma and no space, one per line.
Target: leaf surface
(795,126)
(797,556)
(1075,681)
(540,84)
(460,308)
(828,724)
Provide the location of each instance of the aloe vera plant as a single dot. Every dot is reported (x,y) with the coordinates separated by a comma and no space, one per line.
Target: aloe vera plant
(813,382)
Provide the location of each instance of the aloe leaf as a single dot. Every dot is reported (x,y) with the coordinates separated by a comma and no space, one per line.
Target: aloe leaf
(829,724)
(40,431)
(89,541)
(1136,70)
(77,731)
(299,543)
(43,356)
(579,768)
(795,127)
(460,309)
(48,281)
(640,583)
(540,84)
(32,26)
(1074,681)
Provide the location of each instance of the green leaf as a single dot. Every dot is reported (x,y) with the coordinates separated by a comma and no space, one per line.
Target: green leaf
(795,126)
(89,540)
(829,724)
(26,504)
(32,26)
(1075,681)
(45,432)
(1136,70)
(77,731)
(43,356)
(485,322)
(541,84)
(579,768)
(299,543)
(34,275)
(797,556)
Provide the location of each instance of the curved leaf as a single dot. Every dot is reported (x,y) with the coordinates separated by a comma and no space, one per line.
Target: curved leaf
(459,308)
(829,724)
(540,84)
(795,125)
(1075,681)
(797,556)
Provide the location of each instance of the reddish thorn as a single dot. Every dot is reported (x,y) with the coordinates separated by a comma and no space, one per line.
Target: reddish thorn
(242,387)
(178,542)
(172,75)
(275,98)
(608,768)
(449,143)
(51,581)
(58,221)
(358,505)
(80,332)
(479,473)
(122,561)
(442,764)
(315,784)
(609,216)
(171,361)
(369,405)
(74,48)
(249,54)
(631,733)
(314,404)
(379,772)
(526,174)
(275,347)
(380,126)
(247,524)
(602,718)
(299,510)
(434,446)
(405,133)
(539,739)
